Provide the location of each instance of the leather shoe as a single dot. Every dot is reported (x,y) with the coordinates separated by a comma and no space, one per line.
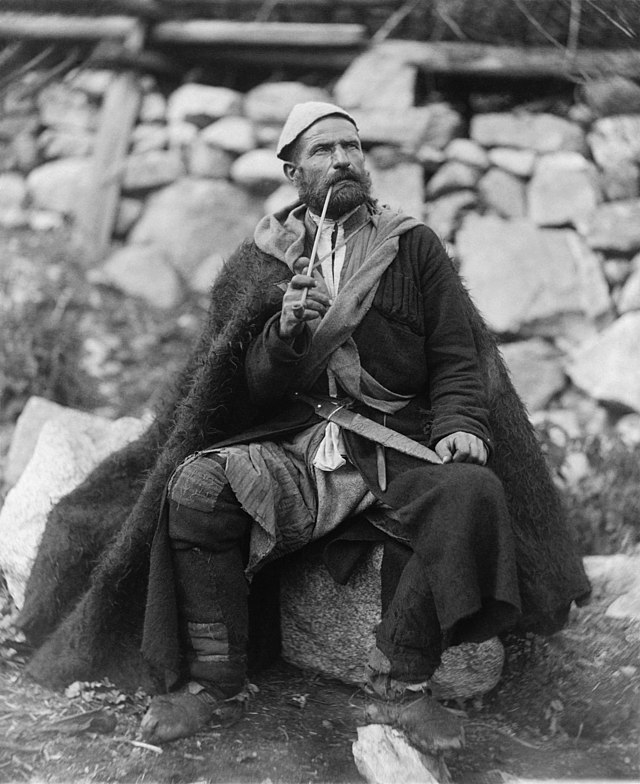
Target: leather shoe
(186,712)
(426,723)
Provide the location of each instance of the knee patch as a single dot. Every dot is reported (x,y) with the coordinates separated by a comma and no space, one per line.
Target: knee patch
(198,482)
(203,510)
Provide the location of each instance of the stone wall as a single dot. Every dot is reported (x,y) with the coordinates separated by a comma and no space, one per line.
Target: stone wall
(540,210)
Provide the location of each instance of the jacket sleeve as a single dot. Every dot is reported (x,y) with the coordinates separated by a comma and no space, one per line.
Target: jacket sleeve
(455,386)
(271,363)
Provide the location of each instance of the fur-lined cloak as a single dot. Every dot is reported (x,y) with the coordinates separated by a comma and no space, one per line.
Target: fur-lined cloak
(85,598)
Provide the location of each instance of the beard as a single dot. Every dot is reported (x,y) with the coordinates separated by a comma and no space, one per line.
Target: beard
(350,190)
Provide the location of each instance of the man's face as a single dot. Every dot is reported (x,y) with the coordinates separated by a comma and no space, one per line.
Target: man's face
(329,153)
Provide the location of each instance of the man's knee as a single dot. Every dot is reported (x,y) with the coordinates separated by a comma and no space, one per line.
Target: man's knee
(474,481)
(198,482)
(203,510)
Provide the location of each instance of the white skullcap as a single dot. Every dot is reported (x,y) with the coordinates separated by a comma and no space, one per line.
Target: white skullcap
(303,116)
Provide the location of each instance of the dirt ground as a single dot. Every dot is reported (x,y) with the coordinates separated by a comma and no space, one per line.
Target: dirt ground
(566,708)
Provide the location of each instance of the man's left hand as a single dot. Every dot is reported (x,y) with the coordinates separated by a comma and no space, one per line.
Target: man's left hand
(462,448)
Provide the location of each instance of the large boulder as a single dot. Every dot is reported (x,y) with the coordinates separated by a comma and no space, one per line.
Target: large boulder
(517,162)
(503,193)
(604,367)
(616,579)
(36,412)
(615,140)
(13,191)
(469,152)
(377,80)
(153,108)
(271,102)
(615,147)
(62,185)
(65,143)
(232,134)
(141,271)
(149,136)
(257,170)
(400,187)
(63,106)
(383,754)
(527,130)
(564,188)
(611,95)
(202,103)
(434,125)
(529,280)
(69,445)
(445,214)
(193,218)
(205,160)
(629,296)
(145,171)
(452,176)
(330,628)
(613,227)
(536,368)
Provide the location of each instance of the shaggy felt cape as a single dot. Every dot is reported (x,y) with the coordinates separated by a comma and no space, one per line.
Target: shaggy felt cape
(85,599)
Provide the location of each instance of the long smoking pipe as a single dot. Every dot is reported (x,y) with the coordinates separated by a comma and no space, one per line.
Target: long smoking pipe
(298,308)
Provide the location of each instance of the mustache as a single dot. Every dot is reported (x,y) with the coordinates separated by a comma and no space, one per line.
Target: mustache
(346,176)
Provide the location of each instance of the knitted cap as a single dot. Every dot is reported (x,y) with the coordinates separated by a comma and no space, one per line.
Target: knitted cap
(303,116)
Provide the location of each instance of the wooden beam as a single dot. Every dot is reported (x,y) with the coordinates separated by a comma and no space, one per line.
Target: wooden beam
(211,31)
(64,27)
(471,59)
(195,31)
(118,114)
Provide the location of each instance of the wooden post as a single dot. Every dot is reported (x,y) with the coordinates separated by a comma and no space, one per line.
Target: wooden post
(119,112)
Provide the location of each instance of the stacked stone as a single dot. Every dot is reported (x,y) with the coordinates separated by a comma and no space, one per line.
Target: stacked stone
(540,211)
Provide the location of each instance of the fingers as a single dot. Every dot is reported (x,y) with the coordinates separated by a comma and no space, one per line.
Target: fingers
(294,311)
(301,266)
(316,302)
(444,450)
(462,448)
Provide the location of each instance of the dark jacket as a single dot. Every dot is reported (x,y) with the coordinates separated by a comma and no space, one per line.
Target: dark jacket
(415,340)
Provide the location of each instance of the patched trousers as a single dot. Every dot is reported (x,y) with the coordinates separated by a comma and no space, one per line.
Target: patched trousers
(233,510)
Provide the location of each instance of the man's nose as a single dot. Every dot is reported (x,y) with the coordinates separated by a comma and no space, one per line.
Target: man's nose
(340,158)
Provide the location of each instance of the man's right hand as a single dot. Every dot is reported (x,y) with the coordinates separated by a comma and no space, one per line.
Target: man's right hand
(315,305)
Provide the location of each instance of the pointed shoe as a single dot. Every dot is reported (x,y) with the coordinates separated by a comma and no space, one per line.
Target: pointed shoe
(183,713)
(427,724)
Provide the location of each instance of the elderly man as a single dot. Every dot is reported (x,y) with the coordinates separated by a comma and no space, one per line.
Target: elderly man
(377,328)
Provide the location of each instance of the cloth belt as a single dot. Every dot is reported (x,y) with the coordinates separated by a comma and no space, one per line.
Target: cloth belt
(337,411)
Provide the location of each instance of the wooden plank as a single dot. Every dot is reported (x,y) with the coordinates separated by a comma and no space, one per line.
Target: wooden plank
(118,114)
(211,31)
(195,31)
(63,26)
(511,61)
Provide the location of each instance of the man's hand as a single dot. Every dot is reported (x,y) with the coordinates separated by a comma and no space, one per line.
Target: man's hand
(315,305)
(462,448)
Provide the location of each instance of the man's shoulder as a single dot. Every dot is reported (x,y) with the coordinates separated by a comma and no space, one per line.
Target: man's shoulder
(412,229)
(422,242)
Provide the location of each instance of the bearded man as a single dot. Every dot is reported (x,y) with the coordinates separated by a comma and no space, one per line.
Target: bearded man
(364,401)
(382,331)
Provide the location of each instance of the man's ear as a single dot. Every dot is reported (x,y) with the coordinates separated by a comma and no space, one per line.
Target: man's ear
(289,170)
